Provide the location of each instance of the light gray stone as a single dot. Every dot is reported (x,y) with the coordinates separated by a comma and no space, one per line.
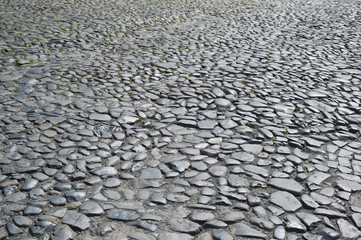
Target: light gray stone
(348,231)
(286,201)
(286,184)
(184,226)
(121,215)
(76,220)
(242,230)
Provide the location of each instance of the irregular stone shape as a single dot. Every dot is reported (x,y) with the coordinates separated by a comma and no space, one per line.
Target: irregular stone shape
(112,182)
(330,213)
(218,171)
(207,124)
(147,184)
(228,146)
(257,170)
(299,153)
(174,236)
(222,102)
(235,180)
(184,225)
(231,217)
(106,172)
(76,220)
(158,198)
(121,215)
(316,94)
(202,206)
(202,217)
(75,196)
(310,220)
(31,210)
(63,232)
(312,142)
(16,197)
(319,105)
(100,117)
(91,208)
(348,186)
(321,199)
(228,124)
(356,217)
(29,184)
(318,178)
(151,173)
(57,201)
(177,198)
(279,233)
(10,76)
(283,150)
(286,201)
(140,236)
(252,148)
(294,159)
(13,229)
(145,225)
(215,224)
(166,65)
(22,221)
(294,224)
(242,230)
(243,156)
(105,228)
(258,103)
(205,236)
(190,151)
(259,222)
(127,119)
(286,184)
(222,235)
(348,231)
(180,166)
(57,120)
(309,202)
(330,233)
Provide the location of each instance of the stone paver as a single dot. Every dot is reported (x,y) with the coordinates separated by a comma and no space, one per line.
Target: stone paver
(179,119)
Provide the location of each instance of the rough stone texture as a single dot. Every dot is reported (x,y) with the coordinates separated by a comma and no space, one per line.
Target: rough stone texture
(348,231)
(184,225)
(121,215)
(240,116)
(242,230)
(76,220)
(289,185)
(286,201)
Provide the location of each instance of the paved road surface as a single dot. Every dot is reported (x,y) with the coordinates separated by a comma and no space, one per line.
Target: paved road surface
(172,119)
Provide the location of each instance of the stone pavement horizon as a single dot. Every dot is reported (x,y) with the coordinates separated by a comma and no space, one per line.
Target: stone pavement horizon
(196,119)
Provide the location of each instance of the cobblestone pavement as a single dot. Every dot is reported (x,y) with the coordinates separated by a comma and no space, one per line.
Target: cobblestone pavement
(180,119)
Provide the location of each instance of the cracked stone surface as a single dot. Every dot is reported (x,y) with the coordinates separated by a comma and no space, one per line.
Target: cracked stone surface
(180,119)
